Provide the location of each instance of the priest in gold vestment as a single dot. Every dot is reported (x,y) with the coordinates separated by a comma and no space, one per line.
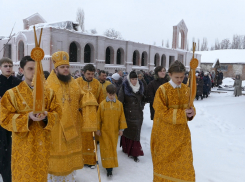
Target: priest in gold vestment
(103,81)
(30,134)
(66,142)
(90,85)
(171,139)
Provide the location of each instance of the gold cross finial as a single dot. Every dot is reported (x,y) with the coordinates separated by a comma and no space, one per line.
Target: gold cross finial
(37,44)
(194,48)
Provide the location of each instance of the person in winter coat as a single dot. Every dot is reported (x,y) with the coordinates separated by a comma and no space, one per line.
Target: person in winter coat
(186,78)
(199,83)
(206,84)
(237,86)
(141,78)
(115,81)
(131,95)
(7,81)
(220,78)
(160,78)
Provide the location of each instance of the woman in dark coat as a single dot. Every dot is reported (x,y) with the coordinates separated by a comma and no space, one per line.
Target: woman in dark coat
(160,78)
(206,84)
(199,82)
(131,95)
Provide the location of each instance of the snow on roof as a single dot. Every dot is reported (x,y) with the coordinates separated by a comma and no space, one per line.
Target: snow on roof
(214,63)
(35,15)
(224,56)
(62,25)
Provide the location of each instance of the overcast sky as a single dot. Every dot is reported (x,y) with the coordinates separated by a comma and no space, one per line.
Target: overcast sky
(145,21)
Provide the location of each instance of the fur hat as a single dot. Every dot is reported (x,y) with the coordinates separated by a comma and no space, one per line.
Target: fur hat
(60,58)
(115,76)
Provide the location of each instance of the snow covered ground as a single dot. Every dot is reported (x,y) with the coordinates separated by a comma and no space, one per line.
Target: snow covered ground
(218,141)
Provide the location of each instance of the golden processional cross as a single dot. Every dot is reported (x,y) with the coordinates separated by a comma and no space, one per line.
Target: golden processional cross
(192,77)
(37,54)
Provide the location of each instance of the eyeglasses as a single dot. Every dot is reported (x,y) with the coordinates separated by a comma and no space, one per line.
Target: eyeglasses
(10,66)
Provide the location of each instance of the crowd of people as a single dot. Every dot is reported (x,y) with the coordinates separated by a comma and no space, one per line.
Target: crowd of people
(79,105)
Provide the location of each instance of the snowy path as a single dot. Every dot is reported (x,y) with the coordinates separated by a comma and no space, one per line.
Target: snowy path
(218,140)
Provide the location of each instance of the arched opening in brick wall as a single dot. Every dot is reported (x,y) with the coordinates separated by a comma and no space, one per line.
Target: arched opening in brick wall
(20,50)
(75,52)
(88,53)
(136,57)
(163,60)
(181,39)
(144,59)
(157,60)
(109,57)
(171,60)
(120,56)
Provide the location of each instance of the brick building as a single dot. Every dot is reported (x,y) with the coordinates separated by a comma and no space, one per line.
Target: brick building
(232,61)
(83,48)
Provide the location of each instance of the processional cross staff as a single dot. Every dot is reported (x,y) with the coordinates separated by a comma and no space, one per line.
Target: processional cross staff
(37,54)
(192,77)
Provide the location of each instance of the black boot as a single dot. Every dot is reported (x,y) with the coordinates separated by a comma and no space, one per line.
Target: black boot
(197,97)
(201,97)
(109,172)
(136,159)
(91,166)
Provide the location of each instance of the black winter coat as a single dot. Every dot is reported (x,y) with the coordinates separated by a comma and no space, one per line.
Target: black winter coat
(206,84)
(133,105)
(5,136)
(151,91)
(199,82)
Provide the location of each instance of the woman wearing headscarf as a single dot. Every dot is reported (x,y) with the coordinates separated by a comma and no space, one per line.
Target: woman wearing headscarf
(237,86)
(131,95)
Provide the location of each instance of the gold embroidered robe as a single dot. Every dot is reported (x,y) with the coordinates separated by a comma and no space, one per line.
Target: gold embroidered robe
(104,85)
(111,119)
(30,139)
(95,88)
(66,142)
(171,139)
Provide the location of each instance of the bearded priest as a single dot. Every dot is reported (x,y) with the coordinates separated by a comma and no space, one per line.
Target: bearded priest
(66,142)
(94,92)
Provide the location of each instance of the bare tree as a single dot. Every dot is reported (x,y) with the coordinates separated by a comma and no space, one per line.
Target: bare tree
(225,44)
(113,33)
(243,42)
(212,48)
(93,31)
(162,43)
(236,42)
(217,44)
(167,44)
(80,18)
(204,46)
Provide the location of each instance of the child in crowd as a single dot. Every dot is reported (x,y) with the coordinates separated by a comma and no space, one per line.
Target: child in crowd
(111,122)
